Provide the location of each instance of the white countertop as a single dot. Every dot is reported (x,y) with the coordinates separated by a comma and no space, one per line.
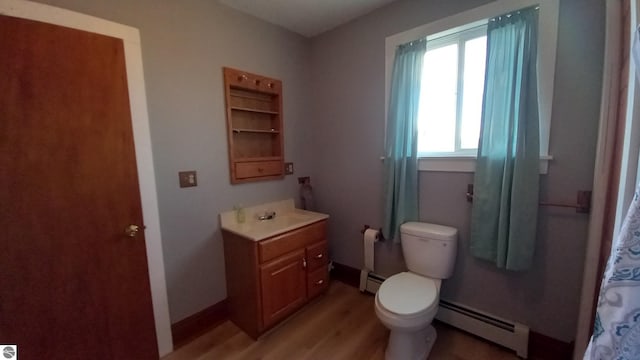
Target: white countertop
(287,218)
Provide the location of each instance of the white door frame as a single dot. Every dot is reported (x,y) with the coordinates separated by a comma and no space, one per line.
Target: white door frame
(604,157)
(142,139)
(631,140)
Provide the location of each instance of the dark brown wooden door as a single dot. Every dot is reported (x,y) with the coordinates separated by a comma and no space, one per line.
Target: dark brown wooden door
(73,286)
(283,286)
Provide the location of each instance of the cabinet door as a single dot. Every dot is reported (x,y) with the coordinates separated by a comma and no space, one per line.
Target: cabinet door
(283,286)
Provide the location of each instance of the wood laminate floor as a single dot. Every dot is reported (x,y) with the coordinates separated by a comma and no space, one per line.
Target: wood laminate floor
(341,324)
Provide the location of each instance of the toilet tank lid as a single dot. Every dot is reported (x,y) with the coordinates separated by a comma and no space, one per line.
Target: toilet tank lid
(432,231)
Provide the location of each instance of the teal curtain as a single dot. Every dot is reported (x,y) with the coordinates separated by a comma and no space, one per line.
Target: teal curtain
(401,148)
(505,204)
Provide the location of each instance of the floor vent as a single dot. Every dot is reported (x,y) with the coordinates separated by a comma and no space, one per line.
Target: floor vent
(499,331)
(503,332)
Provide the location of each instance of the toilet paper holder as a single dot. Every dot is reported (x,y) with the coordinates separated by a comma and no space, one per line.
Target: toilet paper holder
(379,237)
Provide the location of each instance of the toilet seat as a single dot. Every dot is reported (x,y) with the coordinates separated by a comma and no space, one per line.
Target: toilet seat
(407,295)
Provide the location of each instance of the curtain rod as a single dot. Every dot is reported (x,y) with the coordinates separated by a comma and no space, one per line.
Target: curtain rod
(537,8)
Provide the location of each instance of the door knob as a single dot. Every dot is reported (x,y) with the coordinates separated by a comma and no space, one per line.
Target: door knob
(131,230)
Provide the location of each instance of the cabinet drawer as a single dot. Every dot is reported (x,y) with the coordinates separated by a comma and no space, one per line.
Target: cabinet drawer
(317,256)
(317,282)
(258,169)
(296,239)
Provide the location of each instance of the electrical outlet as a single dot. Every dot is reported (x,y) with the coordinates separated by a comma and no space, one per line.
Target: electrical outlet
(288,168)
(188,178)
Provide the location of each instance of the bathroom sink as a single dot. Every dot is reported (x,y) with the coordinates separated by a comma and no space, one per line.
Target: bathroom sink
(287,218)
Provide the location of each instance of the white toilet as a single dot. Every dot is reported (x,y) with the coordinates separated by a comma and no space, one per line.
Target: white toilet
(407,302)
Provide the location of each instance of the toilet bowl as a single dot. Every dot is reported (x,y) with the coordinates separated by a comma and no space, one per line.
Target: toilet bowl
(407,302)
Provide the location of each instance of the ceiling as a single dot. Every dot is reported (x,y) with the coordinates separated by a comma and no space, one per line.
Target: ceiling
(306,17)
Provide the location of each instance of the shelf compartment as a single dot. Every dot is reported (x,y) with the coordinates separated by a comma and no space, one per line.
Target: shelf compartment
(238,131)
(250,95)
(255,121)
(238,108)
(254,159)
(256,144)
(248,100)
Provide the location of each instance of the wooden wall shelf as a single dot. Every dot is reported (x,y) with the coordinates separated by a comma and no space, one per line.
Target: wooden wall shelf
(253,110)
(254,126)
(256,131)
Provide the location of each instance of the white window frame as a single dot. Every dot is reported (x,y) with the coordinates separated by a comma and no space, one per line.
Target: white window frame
(458,38)
(547,42)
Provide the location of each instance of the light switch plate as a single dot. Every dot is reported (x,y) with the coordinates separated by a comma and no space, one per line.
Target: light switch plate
(288,168)
(188,178)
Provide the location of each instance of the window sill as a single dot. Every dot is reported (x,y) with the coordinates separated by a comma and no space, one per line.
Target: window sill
(465,164)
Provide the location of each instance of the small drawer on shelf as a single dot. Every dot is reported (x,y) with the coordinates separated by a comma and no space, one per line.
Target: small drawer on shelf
(317,282)
(317,255)
(258,169)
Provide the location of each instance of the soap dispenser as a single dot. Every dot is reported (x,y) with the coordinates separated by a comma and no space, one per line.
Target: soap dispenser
(240,214)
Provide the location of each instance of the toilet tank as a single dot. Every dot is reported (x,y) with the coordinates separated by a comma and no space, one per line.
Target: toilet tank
(429,249)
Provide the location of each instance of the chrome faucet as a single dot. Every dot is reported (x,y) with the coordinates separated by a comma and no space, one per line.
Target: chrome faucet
(268,215)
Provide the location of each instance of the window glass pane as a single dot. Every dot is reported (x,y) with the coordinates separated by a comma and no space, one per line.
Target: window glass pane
(474,63)
(437,110)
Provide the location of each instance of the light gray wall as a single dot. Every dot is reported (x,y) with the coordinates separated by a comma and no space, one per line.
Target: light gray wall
(334,128)
(348,110)
(184,46)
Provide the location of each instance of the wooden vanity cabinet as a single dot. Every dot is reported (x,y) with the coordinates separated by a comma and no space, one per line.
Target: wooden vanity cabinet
(254,126)
(269,280)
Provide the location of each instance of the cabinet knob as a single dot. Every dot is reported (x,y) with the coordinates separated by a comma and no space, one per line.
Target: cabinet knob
(270,85)
(242,77)
(257,82)
(319,256)
(319,282)
(304,263)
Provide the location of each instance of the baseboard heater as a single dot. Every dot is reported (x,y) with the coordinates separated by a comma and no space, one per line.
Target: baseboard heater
(503,332)
(370,282)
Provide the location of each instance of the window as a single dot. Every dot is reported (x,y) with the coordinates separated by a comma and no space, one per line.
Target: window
(448,130)
(451,95)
